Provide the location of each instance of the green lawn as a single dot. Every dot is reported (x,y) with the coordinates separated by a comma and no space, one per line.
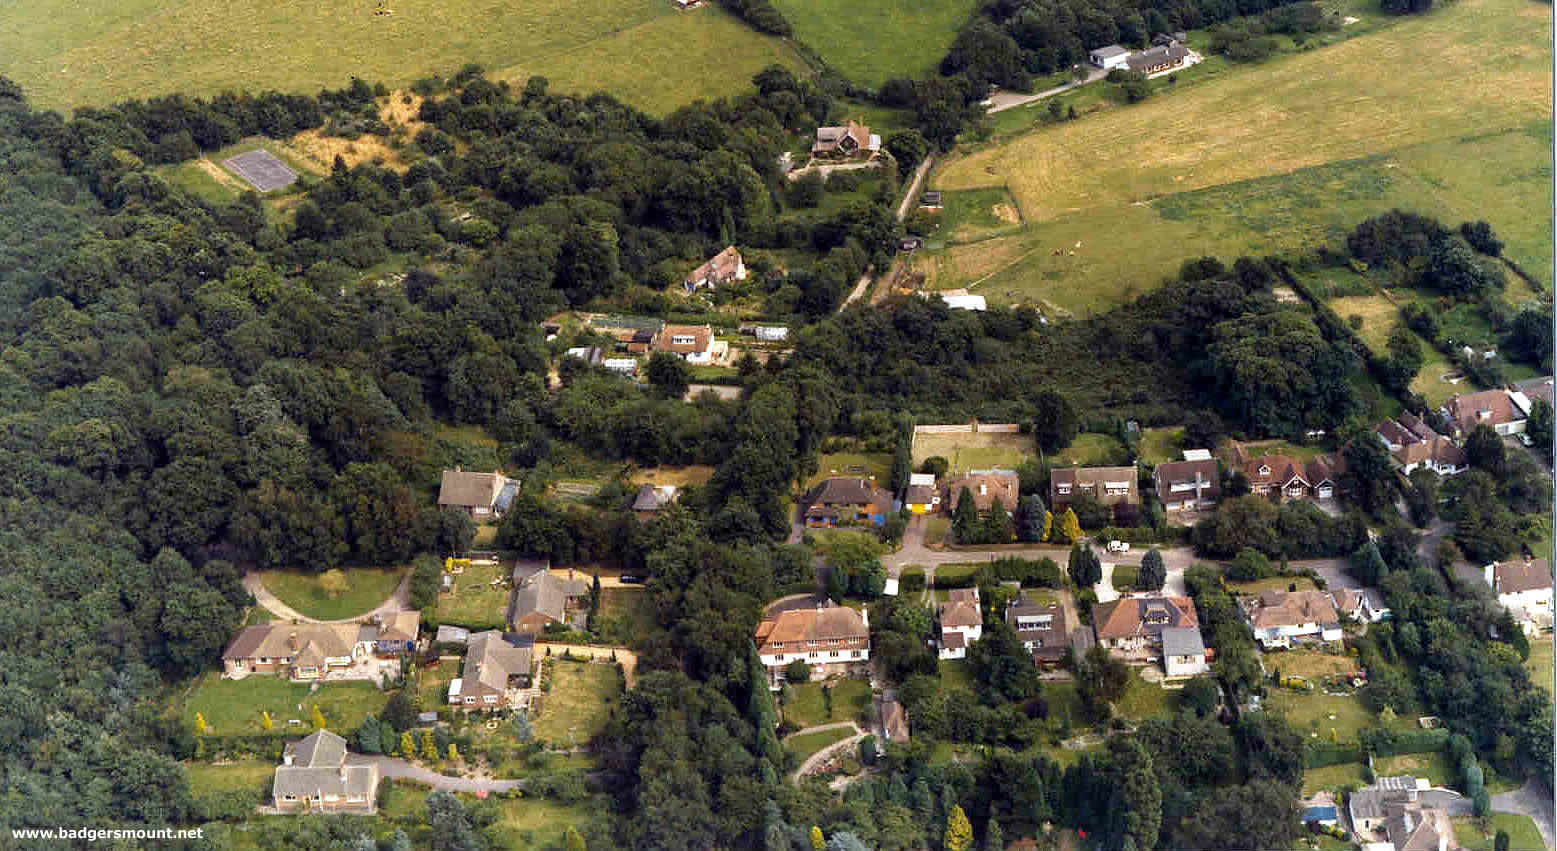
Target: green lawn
(207,778)
(1310,714)
(1161,445)
(209,179)
(1433,765)
(476,603)
(805,708)
(235,706)
(626,614)
(1309,664)
(1540,662)
(433,687)
(957,570)
(1273,583)
(853,464)
(1145,700)
(521,823)
(903,38)
(1333,776)
(1091,450)
(955,673)
(646,52)
(1275,158)
(581,699)
(975,451)
(1124,576)
(936,528)
(257,615)
(806,744)
(367,588)
(1522,833)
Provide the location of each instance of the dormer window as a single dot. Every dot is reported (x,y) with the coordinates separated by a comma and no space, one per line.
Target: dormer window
(1264,470)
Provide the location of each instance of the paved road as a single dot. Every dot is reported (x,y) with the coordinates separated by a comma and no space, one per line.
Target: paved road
(398,602)
(389,766)
(1533,800)
(1002,101)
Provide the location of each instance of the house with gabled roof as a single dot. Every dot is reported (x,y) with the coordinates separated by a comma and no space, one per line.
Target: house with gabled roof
(986,486)
(1284,477)
(1363,605)
(694,343)
(493,668)
(846,140)
(315,651)
(846,501)
(542,598)
(1494,408)
(960,621)
(314,777)
(474,493)
(1412,443)
(1041,627)
(722,268)
(1184,652)
(921,495)
(1111,486)
(1280,617)
(834,640)
(1131,627)
(1525,588)
(1193,484)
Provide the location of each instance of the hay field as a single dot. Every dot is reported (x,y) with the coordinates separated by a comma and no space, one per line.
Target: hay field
(899,38)
(1276,158)
(644,51)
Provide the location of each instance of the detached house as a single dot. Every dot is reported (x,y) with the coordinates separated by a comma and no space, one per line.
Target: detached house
(722,268)
(494,666)
(845,141)
(834,640)
(1184,652)
(1412,443)
(846,501)
(1525,588)
(1189,485)
(542,598)
(1364,606)
(1495,408)
(920,497)
(1110,57)
(961,622)
(1042,628)
(1157,59)
(1284,477)
(1392,815)
(695,343)
(476,494)
(1131,627)
(315,651)
(1278,617)
(986,486)
(1113,486)
(314,777)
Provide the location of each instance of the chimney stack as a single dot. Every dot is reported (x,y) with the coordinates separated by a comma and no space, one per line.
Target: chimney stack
(292,641)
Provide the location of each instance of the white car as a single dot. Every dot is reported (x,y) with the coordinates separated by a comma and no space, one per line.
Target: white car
(1118,546)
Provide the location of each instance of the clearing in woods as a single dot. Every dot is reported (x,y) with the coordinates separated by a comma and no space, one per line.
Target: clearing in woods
(899,38)
(1277,158)
(645,52)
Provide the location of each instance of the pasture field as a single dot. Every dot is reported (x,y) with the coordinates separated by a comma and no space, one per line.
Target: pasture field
(645,52)
(977,212)
(976,451)
(900,38)
(1275,158)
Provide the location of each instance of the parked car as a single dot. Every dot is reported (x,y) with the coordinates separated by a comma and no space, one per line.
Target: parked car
(630,579)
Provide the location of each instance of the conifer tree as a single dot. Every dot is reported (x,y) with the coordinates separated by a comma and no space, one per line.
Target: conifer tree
(959,832)
(318,718)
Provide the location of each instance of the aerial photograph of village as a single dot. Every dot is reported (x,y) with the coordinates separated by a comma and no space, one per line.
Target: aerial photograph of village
(777,425)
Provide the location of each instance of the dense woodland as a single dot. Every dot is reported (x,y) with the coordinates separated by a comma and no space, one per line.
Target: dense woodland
(191,389)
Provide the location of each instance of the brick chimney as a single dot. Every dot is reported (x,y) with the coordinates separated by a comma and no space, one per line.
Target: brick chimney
(292,641)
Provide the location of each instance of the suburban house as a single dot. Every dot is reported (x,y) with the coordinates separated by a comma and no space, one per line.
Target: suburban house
(1495,408)
(1042,628)
(1184,652)
(474,493)
(921,497)
(722,268)
(845,501)
(1157,59)
(652,498)
(1363,606)
(313,651)
(1131,627)
(1114,486)
(313,777)
(960,621)
(986,486)
(847,140)
(1394,814)
(1525,588)
(834,640)
(1189,485)
(1412,443)
(695,343)
(1284,477)
(894,721)
(1278,617)
(493,667)
(1108,58)
(542,598)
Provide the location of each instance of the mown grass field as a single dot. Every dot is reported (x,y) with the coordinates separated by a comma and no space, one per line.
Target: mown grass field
(235,706)
(1276,158)
(855,464)
(206,778)
(977,451)
(367,588)
(805,706)
(900,38)
(1540,662)
(646,52)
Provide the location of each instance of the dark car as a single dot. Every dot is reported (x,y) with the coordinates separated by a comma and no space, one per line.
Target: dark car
(630,579)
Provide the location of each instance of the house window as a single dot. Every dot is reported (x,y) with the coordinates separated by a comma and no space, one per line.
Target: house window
(854,654)
(288,797)
(777,645)
(682,340)
(470,698)
(1264,470)
(813,655)
(833,654)
(1063,489)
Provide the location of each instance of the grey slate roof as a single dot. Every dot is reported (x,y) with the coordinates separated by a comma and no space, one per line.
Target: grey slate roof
(1155,56)
(319,748)
(492,660)
(1182,641)
(352,781)
(547,593)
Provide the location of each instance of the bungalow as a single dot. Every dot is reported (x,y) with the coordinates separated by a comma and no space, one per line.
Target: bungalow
(986,486)
(695,343)
(475,494)
(310,651)
(1042,628)
(1525,587)
(1158,59)
(1184,652)
(1412,443)
(1108,58)
(396,633)
(1278,617)
(722,268)
(834,640)
(1284,477)
(1363,606)
(493,666)
(652,498)
(961,622)
(1114,486)
(921,497)
(849,139)
(542,598)
(1131,627)
(844,501)
(1495,408)
(1189,485)
(314,777)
